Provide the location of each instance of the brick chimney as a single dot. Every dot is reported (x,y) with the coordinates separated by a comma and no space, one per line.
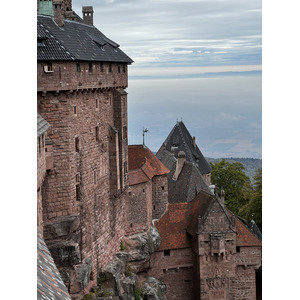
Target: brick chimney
(58,12)
(179,165)
(87,13)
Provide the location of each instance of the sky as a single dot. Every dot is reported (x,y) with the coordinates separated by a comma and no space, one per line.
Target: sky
(194,60)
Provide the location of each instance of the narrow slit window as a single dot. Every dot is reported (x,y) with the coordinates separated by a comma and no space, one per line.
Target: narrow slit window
(77,192)
(124,68)
(75,110)
(97,104)
(101,68)
(97,133)
(78,67)
(110,68)
(119,69)
(77,144)
(90,67)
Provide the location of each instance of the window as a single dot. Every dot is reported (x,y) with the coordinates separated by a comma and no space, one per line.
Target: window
(124,68)
(110,69)
(77,177)
(77,192)
(101,67)
(78,67)
(90,67)
(97,133)
(167,252)
(154,207)
(39,145)
(75,110)
(162,187)
(238,249)
(97,104)
(119,69)
(77,144)
(95,176)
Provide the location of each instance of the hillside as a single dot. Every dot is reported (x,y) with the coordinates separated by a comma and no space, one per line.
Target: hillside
(250,164)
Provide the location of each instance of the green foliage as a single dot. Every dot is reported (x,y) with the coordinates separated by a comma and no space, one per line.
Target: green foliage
(231,178)
(122,246)
(129,270)
(253,208)
(137,293)
(88,296)
(241,197)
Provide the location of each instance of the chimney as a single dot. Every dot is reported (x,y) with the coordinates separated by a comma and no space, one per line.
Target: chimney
(58,12)
(87,13)
(194,142)
(212,188)
(179,165)
(172,150)
(222,197)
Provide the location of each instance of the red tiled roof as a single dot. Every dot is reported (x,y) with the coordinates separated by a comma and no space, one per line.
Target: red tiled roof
(181,218)
(172,227)
(137,176)
(142,158)
(244,236)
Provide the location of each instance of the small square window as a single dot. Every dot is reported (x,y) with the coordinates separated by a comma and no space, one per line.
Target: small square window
(167,252)
(162,187)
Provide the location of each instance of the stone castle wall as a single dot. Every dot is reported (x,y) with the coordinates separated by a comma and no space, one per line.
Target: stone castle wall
(84,216)
(160,196)
(81,75)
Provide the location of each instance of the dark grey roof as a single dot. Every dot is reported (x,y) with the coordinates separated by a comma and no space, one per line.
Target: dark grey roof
(188,184)
(76,41)
(255,230)
(42,125)
(49,283)
(181,137)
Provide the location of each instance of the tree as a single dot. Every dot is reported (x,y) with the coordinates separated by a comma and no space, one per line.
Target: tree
(253,208)
(231,178)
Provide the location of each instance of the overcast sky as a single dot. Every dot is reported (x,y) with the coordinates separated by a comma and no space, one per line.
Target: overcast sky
(196,61)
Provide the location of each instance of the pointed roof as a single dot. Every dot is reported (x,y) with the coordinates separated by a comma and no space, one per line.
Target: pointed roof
(244,236)
(181,140)
(143,165)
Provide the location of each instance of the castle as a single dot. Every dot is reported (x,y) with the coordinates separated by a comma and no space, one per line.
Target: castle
(97,196)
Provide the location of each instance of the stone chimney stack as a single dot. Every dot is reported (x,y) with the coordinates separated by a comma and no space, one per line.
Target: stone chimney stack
(222,197)
(194,142)
(87,13)
(58,12)
(179,165)
(172,151)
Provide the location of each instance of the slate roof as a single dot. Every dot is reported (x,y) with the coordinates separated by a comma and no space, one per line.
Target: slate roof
(49,283)
(255,230)
(143,165)
(42,125)
(181,137)
(188,184)
(75,41)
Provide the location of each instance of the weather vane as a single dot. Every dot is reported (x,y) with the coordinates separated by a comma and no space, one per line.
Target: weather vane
(144,131)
